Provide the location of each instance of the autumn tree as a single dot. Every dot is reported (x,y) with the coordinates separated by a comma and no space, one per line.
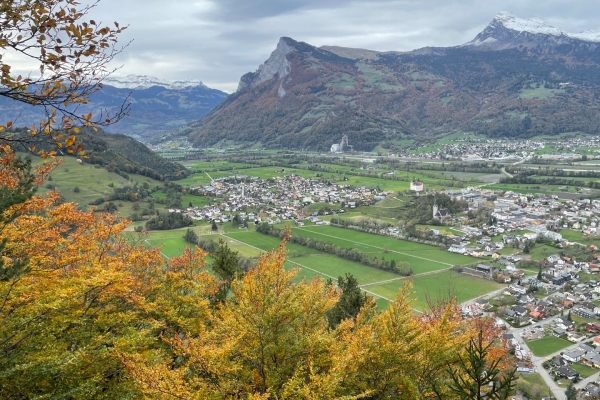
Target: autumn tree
(78,299)
(270,340)
(395,353)
(69,56)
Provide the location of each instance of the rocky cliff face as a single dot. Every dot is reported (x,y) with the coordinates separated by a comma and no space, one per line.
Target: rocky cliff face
(276,67)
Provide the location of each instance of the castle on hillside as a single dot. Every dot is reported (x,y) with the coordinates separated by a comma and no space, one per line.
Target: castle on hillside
(417,185)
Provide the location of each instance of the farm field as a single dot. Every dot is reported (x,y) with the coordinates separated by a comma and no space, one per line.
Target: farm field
(267,243)
(438,287)
(214,164)
(548,345)
(333,267)
(411,249)
(171,247)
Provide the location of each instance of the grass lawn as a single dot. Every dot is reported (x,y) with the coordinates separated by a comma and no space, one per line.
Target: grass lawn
(548,345)
(439,287)
(414,252)
(584,370)
(534,379)
(171,247)
(576,236)
(333,267)
(267,243)
(541,251)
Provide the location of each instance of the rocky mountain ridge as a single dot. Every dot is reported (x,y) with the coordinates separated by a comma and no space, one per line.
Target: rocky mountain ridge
(509,31)
(517,78)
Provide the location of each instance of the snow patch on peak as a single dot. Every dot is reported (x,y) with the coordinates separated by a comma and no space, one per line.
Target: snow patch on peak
(140,82)
(537,26)
(531,25)
(508,31)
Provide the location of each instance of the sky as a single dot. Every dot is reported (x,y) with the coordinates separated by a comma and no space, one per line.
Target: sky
(217,41)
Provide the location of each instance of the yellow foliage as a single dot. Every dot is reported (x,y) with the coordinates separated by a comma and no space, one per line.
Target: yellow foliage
(91,316)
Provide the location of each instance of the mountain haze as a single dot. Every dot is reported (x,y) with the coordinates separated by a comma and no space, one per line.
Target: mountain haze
(517,78)
(157,106)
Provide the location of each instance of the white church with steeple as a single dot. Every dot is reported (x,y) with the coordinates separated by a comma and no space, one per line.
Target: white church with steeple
(439,213)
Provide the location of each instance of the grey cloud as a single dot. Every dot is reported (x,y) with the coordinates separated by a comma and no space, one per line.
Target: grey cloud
(217,41)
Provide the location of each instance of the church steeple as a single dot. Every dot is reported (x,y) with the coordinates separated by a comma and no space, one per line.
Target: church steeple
(435,207)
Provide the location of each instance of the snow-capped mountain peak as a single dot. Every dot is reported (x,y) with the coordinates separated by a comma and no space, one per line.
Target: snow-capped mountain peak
(507,31)
(531,25)
(139,82)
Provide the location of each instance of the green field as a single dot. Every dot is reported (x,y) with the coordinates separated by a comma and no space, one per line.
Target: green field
(266,243)
(576,236)
(439,287)
(171,247)
(333,267)
(413,251)
(548,345)
(92,183)
(541,251)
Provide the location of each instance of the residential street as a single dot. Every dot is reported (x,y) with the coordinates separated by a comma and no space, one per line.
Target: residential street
(558,392)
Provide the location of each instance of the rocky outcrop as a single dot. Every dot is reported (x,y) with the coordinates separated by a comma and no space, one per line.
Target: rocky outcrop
(277,66)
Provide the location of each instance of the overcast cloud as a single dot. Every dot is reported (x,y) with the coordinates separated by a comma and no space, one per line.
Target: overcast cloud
(217,41)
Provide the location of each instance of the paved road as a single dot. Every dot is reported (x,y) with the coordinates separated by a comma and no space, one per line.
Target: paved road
(506,173)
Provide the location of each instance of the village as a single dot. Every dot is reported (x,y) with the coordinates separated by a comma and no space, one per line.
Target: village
(554,296)
(280,199)
(503,150)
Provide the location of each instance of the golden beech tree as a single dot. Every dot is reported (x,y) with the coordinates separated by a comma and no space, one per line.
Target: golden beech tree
(269,340)
(79,297)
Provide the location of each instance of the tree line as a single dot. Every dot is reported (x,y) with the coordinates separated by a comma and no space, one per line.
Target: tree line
(549,180)
(397,267)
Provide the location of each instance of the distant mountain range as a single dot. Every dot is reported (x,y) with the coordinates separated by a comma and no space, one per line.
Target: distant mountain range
(157,107)
(517,78)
